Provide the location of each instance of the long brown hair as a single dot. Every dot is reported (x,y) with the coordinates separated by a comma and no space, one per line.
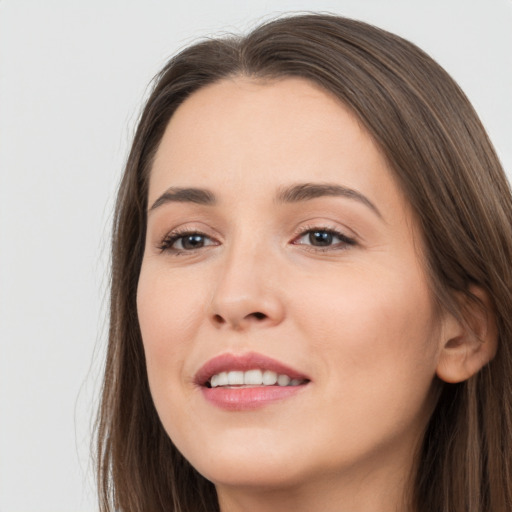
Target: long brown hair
(449,171)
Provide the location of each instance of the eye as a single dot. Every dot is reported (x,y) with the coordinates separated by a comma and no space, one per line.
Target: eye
(324,239)
(178,242)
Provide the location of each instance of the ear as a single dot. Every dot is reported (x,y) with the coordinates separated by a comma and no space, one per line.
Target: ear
(470,344)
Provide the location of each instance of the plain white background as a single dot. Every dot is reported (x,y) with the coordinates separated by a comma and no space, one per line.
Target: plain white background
(72,78)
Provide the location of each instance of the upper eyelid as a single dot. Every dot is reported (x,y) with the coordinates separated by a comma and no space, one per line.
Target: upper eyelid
(336,232)
(331,227)
(166,243)
(199,227)
(344,238)
(177,232)
(188,228)
(174,235)
(326,226)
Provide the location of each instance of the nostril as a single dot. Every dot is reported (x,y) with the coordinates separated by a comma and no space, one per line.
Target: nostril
(239,321)
(218,319)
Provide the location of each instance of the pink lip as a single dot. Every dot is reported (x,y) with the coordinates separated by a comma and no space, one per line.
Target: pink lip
(239,399)
(243,362)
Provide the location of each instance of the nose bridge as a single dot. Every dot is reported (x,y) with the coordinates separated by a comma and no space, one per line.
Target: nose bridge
(245,291)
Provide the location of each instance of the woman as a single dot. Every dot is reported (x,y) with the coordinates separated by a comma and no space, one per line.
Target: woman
(311,289)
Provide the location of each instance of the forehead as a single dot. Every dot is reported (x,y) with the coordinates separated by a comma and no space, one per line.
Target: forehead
(240,134)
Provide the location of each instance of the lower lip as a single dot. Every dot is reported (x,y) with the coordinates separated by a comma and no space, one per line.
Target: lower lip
(244,399)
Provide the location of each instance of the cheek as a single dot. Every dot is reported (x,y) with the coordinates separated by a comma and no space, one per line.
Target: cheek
(376,339)
(375,331)
(169,312)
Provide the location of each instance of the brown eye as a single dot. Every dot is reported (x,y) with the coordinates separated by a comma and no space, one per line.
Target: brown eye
(324,239)
(320,238)
(182,242)
(189,242)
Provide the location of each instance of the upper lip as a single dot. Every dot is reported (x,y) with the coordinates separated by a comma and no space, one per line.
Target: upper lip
(243,362)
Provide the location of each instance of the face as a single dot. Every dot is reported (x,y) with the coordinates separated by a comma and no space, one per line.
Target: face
(280,247)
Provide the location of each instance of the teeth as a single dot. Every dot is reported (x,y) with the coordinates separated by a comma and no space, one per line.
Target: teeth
(283,380)
(222,379)
(269,378)
(254,377)
(235,378)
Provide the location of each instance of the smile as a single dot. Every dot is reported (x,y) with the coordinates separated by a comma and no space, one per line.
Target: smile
(248,381)
(252,378)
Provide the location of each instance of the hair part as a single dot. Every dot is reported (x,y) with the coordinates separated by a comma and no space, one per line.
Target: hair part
(446,166)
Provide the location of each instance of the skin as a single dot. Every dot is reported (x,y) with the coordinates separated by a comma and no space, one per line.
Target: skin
(357,318)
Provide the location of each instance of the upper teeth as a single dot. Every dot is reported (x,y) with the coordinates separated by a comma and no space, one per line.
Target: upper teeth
(252,378)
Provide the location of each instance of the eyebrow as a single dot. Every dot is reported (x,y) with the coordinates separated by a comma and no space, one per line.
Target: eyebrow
(185,195)
(308,191)
(292,194)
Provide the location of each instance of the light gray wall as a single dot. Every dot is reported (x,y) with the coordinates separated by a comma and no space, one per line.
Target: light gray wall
(72,76)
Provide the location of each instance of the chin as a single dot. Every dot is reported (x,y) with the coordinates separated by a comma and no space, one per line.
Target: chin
(256,474)
(231,462)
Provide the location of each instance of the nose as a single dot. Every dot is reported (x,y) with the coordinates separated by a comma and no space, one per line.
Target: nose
(247,292)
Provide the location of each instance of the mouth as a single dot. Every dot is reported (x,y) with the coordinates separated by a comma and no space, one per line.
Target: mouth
(252,378)
(249,369)
(248,381)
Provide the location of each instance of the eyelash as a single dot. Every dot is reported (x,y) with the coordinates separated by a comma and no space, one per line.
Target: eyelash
(345,241)
(166,245)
